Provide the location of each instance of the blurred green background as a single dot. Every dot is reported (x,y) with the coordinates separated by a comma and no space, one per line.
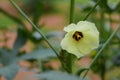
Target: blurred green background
(23,52)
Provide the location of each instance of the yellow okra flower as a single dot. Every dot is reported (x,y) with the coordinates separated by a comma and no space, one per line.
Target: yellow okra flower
(81,38)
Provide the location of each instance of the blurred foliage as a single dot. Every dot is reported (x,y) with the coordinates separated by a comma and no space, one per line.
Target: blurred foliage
(101,16)
(5,22)
(57,76)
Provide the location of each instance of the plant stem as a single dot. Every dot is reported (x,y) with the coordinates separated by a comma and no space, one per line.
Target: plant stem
(72,4)
(91,10)
(30,21)
(103,47)
(69,63)
(69,56)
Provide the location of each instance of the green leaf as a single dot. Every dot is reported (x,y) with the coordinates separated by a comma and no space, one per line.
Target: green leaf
(5,21)
(20,40)
(38,54)
(38,10)
(9,72)
(81,70)
(7,56)
(55,75)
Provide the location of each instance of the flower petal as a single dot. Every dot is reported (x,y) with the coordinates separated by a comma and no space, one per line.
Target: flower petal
(70,45)
(88,43)
(70,27)
(85,26)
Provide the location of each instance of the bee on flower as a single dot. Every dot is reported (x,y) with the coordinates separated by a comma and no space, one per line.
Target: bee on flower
(81,38)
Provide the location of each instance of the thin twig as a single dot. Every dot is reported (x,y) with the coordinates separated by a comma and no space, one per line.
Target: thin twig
(30,21)
(91,10)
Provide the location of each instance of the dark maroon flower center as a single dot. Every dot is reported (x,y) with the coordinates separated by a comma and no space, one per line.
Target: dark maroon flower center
(77,35)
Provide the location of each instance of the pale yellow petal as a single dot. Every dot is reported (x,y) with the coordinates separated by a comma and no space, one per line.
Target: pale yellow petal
(85,26)
(70,27)
(88,43)
(70,45)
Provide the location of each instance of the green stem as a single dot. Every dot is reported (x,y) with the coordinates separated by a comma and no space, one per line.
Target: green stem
(69,56)
(103,47)
(69,63)
(72,4)
(91,10)
(27,18)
